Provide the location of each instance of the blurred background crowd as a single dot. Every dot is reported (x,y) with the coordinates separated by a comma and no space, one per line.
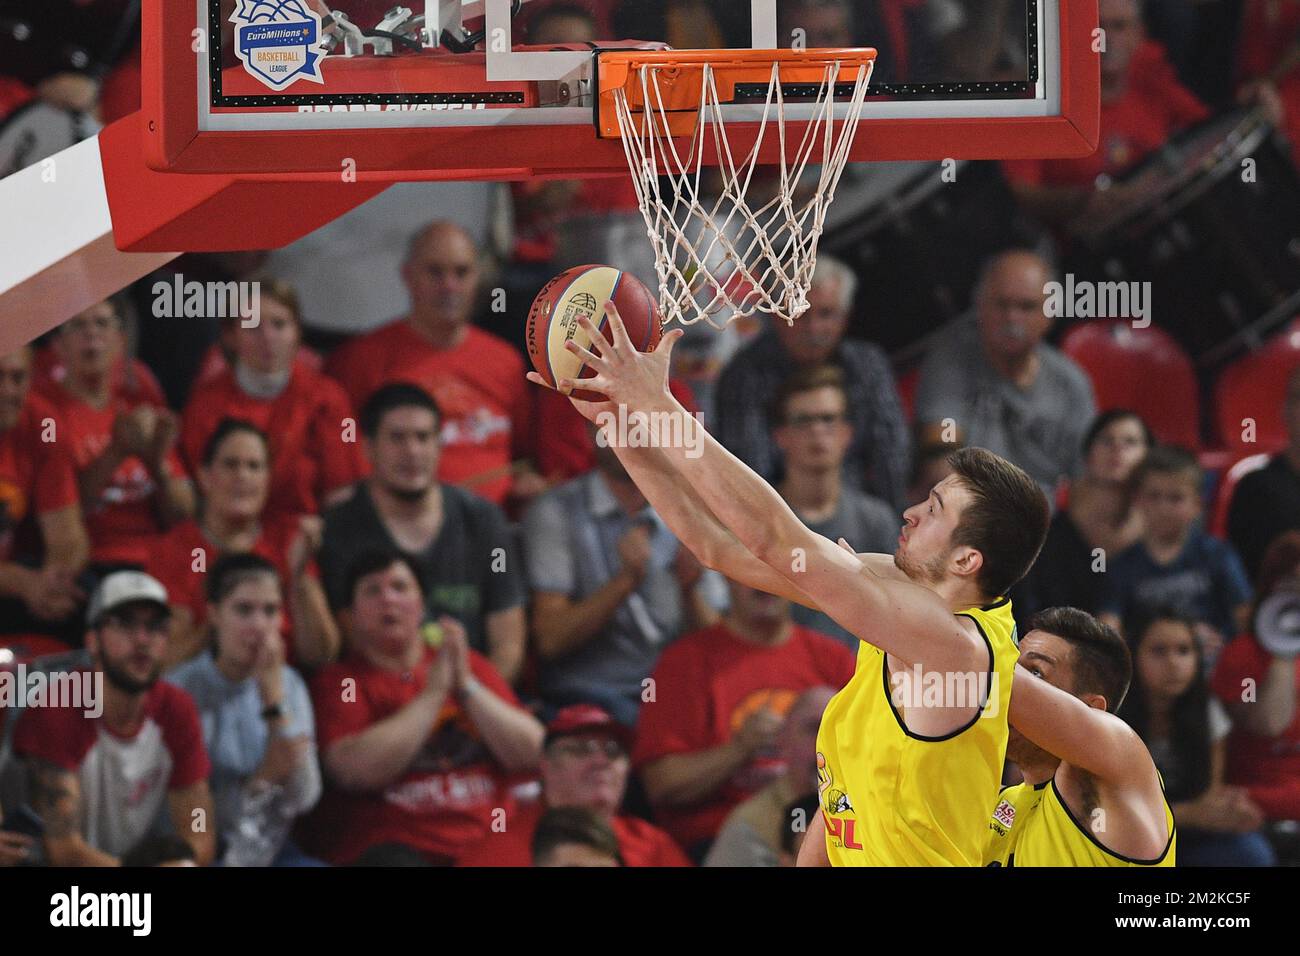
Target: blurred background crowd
(360,594)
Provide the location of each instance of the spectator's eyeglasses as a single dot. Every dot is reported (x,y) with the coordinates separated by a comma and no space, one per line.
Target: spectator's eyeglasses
(589,747)
(808,421)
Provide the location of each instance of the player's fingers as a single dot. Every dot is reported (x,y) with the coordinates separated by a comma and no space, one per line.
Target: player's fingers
(537,379)
(589,358)
(599,344)
(621,338)
(669,342)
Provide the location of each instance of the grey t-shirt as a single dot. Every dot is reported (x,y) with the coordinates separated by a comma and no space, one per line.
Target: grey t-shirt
(571,539)
(1040,429)
(869,525)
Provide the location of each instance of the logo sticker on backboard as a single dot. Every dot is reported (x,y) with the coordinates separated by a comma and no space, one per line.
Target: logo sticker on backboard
(278,41)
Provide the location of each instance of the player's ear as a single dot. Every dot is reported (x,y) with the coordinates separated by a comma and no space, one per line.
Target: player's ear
(968,561)
(1095,701)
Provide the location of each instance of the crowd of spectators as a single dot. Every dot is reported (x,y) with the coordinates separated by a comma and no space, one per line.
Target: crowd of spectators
(379,601)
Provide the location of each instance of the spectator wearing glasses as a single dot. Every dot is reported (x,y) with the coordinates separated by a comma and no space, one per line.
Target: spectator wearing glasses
(584,765)
(878,457)
(104,782)
(810,419)
(1001,385)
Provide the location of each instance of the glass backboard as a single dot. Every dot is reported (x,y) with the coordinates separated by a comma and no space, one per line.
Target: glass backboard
(504,88)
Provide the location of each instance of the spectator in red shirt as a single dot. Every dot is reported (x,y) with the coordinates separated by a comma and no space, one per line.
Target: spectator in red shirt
(1143,104)
(105,780)
(315,456)
(584,764)
(476,378)
(1260,690)
(756,832)
(416,740)
(132,484)
(38,499)
(706,743)
(233,475)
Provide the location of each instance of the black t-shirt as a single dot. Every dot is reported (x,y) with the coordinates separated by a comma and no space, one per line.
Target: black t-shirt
(1061,577)
(470,571)
(1265,504)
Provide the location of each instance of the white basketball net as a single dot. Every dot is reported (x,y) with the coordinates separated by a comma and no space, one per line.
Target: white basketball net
(719,259)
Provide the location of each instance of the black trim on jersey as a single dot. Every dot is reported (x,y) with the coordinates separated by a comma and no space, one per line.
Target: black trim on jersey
(996,604)
(889,698)
(1104,849)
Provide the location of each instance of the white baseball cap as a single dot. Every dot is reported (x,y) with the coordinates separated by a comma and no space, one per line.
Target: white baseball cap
(125,587)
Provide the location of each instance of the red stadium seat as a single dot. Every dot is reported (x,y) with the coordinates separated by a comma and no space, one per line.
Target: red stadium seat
(1223,497)
(1254,387)
(1143,370)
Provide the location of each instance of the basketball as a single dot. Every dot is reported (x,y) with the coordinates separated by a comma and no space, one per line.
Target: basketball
(584,290)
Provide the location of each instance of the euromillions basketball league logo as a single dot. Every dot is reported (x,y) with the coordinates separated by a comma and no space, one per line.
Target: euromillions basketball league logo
(278,40)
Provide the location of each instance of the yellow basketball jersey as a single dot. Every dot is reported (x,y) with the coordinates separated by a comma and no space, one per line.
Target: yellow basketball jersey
(893,798)
(1032,826)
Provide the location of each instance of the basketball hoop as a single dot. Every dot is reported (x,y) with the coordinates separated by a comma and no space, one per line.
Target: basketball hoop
(726,258)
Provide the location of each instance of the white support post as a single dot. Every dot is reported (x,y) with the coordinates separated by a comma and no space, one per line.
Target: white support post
(57,236)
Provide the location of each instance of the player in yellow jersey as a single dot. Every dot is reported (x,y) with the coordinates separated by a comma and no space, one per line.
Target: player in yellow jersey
(910,749)
(1092,795)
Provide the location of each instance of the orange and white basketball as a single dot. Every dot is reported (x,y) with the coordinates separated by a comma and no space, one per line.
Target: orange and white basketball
(553,319)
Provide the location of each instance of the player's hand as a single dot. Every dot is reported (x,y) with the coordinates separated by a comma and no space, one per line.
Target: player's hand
(634,552)
(759,730)
(636,380)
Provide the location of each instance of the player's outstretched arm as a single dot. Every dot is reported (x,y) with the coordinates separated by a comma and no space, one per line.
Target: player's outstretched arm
(689,518)
(901,618)
(1082,736)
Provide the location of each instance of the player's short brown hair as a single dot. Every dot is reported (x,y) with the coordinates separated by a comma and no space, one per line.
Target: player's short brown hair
(801,382)
(1006,519)
(1102,663)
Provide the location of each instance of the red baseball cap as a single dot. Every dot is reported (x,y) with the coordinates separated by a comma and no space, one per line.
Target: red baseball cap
(587,720)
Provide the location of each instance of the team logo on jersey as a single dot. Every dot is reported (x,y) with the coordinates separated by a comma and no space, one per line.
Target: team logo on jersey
(1004,816)
(278,41)
(833,800)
